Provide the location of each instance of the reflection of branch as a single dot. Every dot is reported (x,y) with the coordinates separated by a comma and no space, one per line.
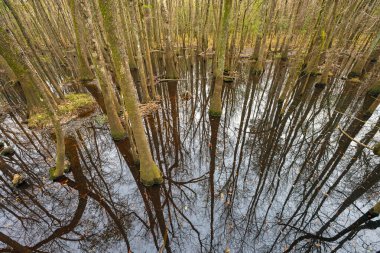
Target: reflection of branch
(353,117)
(363,222)
(15,245)
(194,180)
(353,139)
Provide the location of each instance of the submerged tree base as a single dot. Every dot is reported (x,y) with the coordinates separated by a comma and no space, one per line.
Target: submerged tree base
(56,176)
(8,152)
(320,85)
(151,176)
(354,74)
(118,136)
(376,149)
(214,113)
(18,180)
(228,79)
(374,90)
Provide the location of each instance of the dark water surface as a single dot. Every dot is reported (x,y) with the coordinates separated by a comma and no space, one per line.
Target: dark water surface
(259,179)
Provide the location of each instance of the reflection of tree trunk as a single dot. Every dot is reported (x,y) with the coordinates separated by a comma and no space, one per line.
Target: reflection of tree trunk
(368,137)
(124,148)
(240,141)
(26,133)
(19,64)
(71,151)
(9,171)
(80,184)
(154,194)
(173,97)
(363,187)
(363,115)
(354,227)
(82,203)
(214,123)
(13,244)
(342,104)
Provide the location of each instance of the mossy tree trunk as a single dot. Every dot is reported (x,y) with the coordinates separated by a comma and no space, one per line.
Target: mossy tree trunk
(140,61)
(358,68)
(117,130)
(148,58)
(216,98)
(171,71)
(28,40)
(150,174)
(32,96)
(85,73)
(17,61)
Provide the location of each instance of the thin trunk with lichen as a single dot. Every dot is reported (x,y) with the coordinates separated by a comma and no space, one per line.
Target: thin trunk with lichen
(216,98)
(148,58)
(117,130)
(85,73)
(358,68)
(171,71)
(32,96)
(139,57)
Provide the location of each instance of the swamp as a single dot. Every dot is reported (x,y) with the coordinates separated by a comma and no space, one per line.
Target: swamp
(190,126)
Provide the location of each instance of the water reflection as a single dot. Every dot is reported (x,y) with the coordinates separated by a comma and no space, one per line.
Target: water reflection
(278,172)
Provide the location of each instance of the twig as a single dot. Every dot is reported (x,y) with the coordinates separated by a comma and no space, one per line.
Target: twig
(166,80)
(353,139)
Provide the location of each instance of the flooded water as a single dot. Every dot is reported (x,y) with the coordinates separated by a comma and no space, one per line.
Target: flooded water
(268,176)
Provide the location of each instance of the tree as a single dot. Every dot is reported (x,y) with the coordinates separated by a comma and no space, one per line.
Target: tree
(216,98)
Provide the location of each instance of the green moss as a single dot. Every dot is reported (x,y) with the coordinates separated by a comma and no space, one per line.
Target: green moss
(376,149)
(214,113)
(74,104)
(314,73)
(75,101)
(151,176)
(354,80)
(354,74)
(118,136)
(374,90)
(376,208)
(228,79)
(38,119)
(101,119)
(67,167)
(278,56)
(52,175)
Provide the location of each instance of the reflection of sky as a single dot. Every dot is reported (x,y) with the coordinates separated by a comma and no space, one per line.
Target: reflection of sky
(189,203)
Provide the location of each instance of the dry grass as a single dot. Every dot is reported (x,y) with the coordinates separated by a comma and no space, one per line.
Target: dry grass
(149,108)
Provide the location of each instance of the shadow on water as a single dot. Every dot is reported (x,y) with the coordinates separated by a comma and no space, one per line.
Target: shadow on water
(275,173)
